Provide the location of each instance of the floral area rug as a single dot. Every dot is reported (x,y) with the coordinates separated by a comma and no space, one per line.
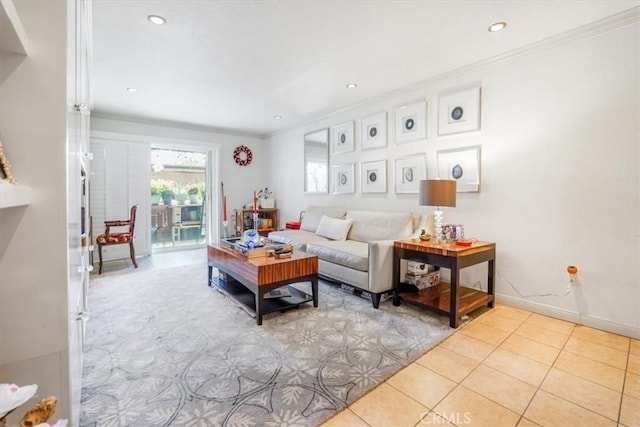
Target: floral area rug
(164,349)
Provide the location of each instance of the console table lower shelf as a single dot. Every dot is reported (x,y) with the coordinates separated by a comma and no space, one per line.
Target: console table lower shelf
(247,298)
(439,299)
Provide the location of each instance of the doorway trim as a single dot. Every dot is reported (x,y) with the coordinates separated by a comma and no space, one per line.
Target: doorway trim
(212,149)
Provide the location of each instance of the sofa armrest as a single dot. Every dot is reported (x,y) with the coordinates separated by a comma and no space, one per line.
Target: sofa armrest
(380,266)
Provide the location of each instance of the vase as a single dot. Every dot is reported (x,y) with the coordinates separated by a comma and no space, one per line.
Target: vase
(155,199)
(193,198)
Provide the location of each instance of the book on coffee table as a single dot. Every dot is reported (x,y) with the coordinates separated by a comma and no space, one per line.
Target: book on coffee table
(278,293)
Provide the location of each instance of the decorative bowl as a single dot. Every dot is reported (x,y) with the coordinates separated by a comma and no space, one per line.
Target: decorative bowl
(425,237)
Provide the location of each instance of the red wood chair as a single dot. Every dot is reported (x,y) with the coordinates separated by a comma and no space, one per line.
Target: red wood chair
(110,238)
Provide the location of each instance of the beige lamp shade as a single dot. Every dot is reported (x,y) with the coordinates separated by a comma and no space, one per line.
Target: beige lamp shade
(437,192)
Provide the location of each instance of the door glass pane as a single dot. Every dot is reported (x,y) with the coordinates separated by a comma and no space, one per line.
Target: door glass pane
(178,189)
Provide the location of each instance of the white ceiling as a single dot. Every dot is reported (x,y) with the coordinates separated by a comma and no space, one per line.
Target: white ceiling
(233,65)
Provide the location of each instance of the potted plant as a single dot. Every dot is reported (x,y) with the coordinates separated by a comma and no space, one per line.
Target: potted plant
(156,191)
(167,196)
(165,188)
(266,201)
(193,190)
(202,190)
(181,197)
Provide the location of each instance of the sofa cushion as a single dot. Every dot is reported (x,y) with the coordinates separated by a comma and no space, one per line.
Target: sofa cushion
(313,214)
(334,228)
(348,253)
(296,238)
(369,226)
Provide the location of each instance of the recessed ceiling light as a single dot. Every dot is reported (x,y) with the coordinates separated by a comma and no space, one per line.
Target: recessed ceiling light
(277,117)
(156,19)
(497,26)
(352,85)
(132,89)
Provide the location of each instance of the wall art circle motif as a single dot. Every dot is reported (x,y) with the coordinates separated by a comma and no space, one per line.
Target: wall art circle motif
(457,113)
(373,131)
(457,172)
(408,124)
(242,155)
(408,174)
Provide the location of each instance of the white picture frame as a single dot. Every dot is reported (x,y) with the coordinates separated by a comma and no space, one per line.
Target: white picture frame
(408,171)
(344,179)
(342,138)
(411,122)
(374,131)
(459,110)
(373,176)
(461,165)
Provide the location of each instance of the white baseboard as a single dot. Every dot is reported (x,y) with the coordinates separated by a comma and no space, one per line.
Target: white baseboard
(570,316)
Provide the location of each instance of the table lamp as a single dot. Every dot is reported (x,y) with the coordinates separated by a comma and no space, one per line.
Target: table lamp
(438,193)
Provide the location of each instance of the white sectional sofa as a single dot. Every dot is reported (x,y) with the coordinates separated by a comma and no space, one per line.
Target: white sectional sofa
(354,247)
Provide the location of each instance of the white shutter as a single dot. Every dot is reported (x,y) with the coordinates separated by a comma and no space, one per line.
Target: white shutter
(120,180)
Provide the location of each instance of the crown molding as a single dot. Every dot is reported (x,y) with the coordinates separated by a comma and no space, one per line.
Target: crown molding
(173,124)
(583,32)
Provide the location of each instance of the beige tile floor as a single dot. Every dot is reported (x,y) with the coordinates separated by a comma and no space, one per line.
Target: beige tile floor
(510,367)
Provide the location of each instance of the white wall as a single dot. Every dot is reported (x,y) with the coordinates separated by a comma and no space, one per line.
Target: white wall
(33,239)
(239,181)
(560,184)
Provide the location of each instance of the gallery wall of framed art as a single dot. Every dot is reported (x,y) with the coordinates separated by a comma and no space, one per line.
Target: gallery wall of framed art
(398,143)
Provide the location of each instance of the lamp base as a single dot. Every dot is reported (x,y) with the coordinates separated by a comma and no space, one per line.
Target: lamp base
(439,218)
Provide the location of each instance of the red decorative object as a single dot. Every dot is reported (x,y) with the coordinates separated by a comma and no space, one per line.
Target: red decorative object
(293,225)
(242,155)
(255,202)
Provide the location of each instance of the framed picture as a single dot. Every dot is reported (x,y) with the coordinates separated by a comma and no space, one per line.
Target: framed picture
(411,122)
(374,131)
(343,179)
(462,165)
(342,138)
(459,111)
(408,173)
(373,176)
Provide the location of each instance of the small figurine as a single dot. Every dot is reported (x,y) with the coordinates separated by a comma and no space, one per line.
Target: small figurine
(39,413)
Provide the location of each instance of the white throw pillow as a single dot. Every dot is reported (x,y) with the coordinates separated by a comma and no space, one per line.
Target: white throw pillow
(313,214)
(334,228)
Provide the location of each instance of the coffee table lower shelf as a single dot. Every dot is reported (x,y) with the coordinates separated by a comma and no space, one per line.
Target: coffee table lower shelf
(439,299)
(247,298)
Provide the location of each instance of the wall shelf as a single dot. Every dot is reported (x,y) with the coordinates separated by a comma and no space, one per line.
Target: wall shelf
(14,195)
(12,39)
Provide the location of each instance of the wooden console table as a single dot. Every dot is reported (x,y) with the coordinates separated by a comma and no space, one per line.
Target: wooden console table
(449,298)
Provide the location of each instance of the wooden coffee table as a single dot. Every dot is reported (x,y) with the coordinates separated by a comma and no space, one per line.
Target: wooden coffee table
(254,277)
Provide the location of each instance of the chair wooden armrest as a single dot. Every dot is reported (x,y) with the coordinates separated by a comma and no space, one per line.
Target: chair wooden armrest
(117,223)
